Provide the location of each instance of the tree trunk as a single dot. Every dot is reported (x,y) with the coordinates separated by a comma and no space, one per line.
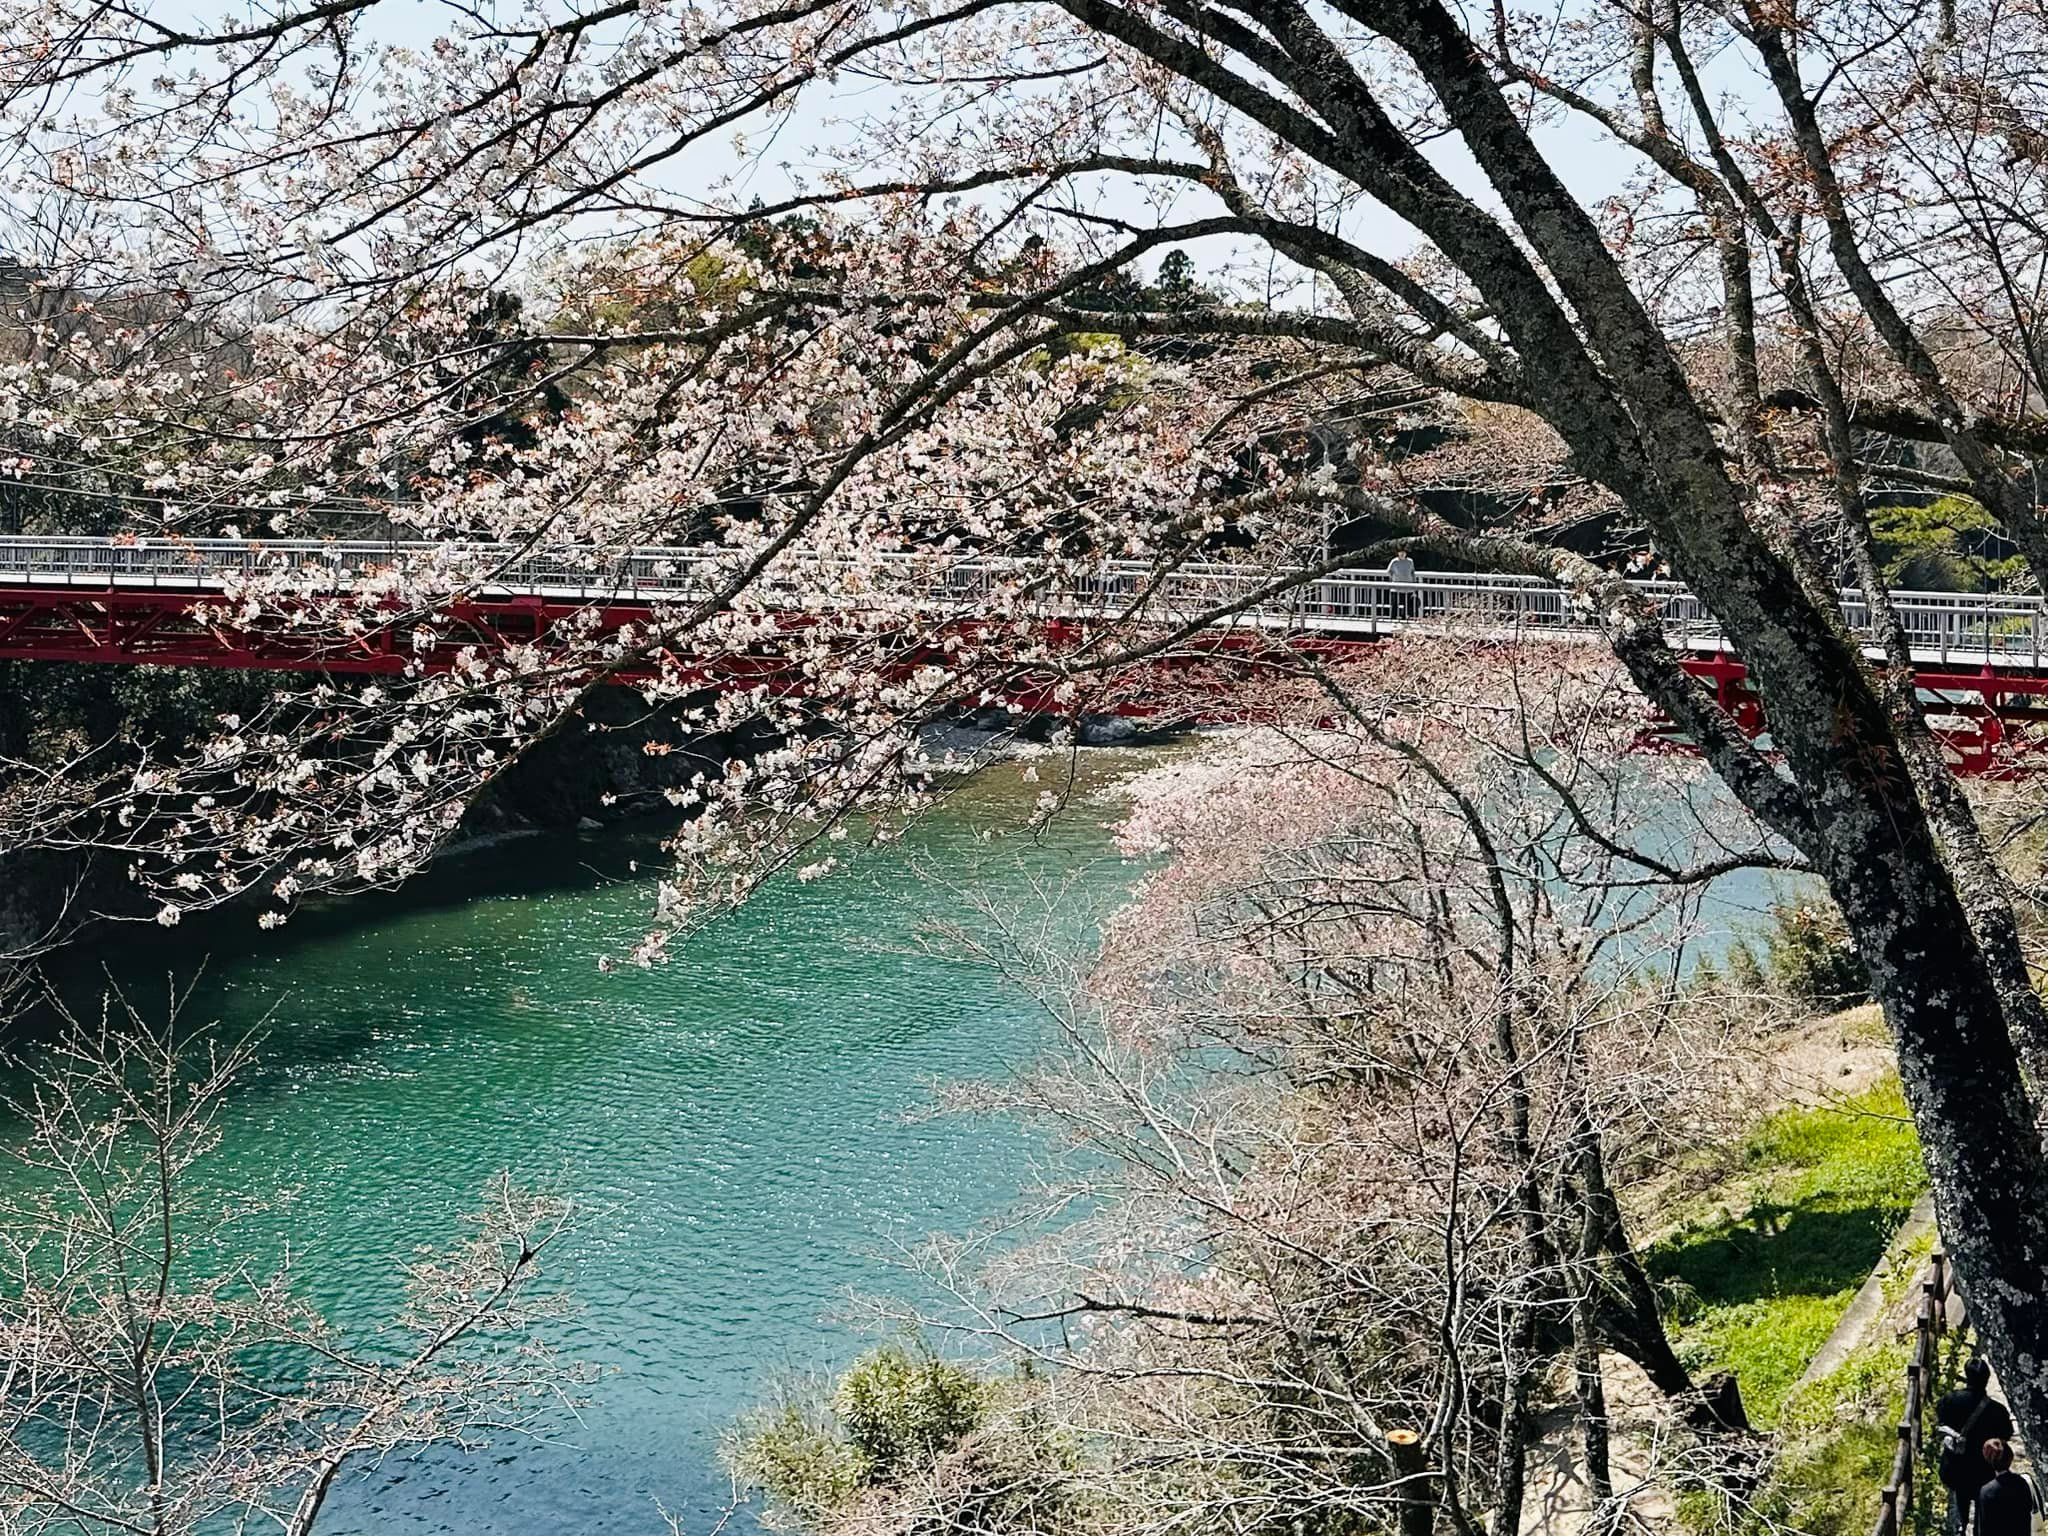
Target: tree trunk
(1592,1397)
(1962,1081)
(1418,1500)
(1621,1307)
(1511,1453)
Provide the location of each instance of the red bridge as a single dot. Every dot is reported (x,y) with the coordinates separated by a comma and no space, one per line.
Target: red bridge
(1978,659)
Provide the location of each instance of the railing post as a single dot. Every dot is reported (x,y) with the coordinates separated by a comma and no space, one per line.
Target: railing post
(1904,1469)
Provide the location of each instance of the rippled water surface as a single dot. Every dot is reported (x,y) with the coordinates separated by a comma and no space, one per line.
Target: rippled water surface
(735,1123)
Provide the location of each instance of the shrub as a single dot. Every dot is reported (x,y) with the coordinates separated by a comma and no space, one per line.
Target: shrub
(895,1409)
(895,1404)
(1733,976)
(799,1457)
(1812,957)
(1744,974)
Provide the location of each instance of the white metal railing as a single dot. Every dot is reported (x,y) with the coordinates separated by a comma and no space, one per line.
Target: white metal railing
(1941,627)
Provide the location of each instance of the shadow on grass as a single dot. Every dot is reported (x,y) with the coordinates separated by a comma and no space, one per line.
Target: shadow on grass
(1757,1286)
(1804,1248)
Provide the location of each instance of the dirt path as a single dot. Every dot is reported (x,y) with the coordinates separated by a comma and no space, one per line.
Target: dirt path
(1827,1059)
(1557,1501)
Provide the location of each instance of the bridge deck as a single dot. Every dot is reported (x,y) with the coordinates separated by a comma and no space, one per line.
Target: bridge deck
(2002,632)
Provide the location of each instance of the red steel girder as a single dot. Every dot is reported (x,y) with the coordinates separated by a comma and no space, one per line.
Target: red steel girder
(1980,714)
(146,627)
(1971,711)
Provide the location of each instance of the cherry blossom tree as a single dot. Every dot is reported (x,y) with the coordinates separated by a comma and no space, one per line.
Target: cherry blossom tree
(832,475)
(1358,1092)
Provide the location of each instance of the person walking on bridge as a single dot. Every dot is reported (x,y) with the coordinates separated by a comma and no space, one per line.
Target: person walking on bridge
(1967,1419)
(2006,1503)
(1405,594)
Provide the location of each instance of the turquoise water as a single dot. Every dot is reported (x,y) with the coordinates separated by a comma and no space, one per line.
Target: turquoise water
(738,1125)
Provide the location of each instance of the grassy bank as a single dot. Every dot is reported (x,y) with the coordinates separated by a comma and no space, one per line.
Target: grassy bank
(1768,1260)
(1763,1266)
(1837,1438)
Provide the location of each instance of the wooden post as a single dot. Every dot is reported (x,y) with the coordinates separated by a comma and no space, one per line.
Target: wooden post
(1904,1471)
(1418,1497)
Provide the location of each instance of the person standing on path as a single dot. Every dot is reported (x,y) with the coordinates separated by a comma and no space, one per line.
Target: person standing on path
(1968,1418)
(2006,1502)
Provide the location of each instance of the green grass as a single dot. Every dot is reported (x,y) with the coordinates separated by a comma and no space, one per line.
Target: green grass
(1829,1487)
(1837,1444)
(1837,1438)
(1762,1276)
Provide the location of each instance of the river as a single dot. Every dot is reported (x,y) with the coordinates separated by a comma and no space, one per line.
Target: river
(738,1124)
